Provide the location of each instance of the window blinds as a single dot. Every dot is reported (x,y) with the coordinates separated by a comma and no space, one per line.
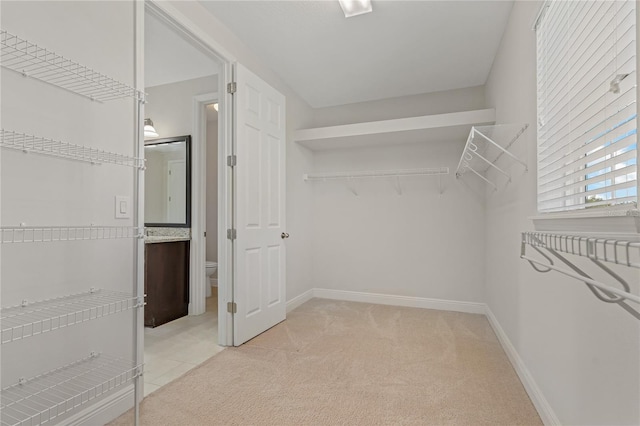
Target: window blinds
(587,125)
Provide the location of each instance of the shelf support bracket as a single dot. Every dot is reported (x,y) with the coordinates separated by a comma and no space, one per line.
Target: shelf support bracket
(397,185)
(351,187)
(603,292)
(504,151)
(495,188)
(474,150)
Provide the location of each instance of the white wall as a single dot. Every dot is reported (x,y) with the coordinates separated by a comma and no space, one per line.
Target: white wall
(582,353)
(416,244)
(41,190)
(405,106)
(170,106)
(299,201)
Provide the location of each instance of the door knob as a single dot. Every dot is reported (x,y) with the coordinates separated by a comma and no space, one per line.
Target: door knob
(284,235)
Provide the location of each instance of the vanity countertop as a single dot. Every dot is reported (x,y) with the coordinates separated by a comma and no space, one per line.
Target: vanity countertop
(166,235)
(152,239)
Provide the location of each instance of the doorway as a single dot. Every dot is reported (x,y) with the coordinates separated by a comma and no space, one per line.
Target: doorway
(182,78)
(251,196)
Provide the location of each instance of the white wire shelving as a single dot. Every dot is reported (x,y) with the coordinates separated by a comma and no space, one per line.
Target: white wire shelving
(485,146)
(620,252)
(37,62)
(373,174)
(598,251)
(47,397)
(45,234)
(45,146)
(34,318)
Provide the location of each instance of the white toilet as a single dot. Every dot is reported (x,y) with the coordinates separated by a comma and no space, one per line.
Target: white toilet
(210,270)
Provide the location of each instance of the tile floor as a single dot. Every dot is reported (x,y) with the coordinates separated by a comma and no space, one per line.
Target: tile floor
(174,348)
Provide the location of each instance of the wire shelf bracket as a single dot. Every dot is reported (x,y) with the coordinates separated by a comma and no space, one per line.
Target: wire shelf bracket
(598,251)
(50,147)
(485,146)
(394,175)
(33,61)
(44,399)
(45,234)
(34,318)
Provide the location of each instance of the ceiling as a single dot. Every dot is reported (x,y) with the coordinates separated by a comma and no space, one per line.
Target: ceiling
(401,48)
(170,58)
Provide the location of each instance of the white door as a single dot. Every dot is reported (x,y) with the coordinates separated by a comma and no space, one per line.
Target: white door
(259,284)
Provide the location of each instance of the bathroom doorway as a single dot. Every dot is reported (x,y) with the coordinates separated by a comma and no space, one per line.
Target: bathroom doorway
(182,81)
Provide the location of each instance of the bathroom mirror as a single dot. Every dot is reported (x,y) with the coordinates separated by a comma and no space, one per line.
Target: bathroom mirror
(167,188)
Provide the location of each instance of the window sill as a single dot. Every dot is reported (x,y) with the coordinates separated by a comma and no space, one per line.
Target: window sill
(596,223)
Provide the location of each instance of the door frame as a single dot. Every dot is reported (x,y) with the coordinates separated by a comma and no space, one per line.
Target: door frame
(173,17)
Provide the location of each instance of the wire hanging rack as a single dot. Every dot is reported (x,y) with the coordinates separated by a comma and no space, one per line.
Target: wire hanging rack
(485,146)
(598,251)
(33,318)
(31,60)
(45,146)
(45,398)
(44,234)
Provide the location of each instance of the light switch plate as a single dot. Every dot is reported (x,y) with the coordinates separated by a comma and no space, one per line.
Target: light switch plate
(123,207)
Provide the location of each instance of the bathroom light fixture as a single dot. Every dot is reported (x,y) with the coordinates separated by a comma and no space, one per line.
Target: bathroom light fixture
(149,130)
(355,7)
(215,106)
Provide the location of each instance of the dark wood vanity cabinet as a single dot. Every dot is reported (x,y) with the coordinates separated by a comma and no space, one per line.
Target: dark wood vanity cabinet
(166,282)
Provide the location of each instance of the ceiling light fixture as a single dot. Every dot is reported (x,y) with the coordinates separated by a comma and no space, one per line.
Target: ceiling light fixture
(215,106)
(355,7)
(149,130)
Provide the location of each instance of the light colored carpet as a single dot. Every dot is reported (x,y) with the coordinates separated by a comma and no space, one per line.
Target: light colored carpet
(344,363)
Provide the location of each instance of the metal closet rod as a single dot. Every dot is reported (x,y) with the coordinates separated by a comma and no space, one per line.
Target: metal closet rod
(597,250)
(377,173)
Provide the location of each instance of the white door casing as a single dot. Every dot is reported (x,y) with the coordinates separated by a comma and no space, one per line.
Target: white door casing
(259,284)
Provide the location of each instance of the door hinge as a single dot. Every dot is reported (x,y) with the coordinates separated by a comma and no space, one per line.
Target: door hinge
(232,308)
(231,87)
(232,160)
(231,234)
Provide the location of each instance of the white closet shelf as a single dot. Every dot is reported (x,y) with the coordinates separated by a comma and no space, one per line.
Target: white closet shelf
(449,126)
(39,145)
(31,319)
(485,146)
(43,234)
(375,174)
(45,398)
(37,62)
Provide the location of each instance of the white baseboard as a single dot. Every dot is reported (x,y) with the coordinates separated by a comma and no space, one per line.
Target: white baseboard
(104,411)
(214,282)
(299,300)
(541,404)
(388,299)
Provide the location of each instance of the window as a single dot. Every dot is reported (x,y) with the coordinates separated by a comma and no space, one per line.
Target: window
(587,121)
